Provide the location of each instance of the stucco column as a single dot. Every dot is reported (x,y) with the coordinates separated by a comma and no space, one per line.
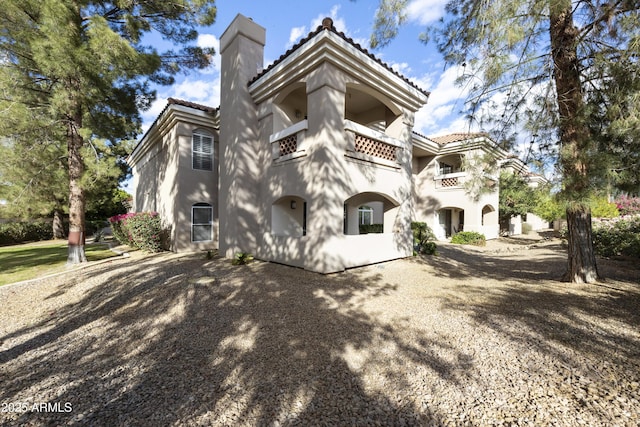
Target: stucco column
(241,47)
(326,187)
(403,129)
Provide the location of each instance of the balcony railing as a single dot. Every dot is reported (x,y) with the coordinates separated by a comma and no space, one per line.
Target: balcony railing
(371,145)
(289,143)
(450,180)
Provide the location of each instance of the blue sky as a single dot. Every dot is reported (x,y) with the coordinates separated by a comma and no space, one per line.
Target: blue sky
(288,21)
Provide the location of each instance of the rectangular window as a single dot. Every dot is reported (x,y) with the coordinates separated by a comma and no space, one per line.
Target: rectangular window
(202,223)
(365,215)
(202,149)
(445,168)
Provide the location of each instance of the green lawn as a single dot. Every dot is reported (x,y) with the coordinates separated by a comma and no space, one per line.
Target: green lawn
(31,260)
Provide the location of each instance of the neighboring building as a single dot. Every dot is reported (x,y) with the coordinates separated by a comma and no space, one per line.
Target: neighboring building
(441,198)
(302,154)
(514,165)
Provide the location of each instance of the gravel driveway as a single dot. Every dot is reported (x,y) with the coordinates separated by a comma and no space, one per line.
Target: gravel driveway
(470,337)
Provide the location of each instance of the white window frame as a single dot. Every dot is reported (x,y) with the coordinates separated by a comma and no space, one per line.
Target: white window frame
(202,154)
(362,213)
(207,224)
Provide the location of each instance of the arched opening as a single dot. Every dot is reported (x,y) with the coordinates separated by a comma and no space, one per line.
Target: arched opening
(369,212)
(449,164)
(289,217)
(365,106)
(290,107)
(489,215)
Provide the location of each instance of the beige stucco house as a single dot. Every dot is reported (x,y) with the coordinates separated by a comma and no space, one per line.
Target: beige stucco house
(303,153)
(513,164)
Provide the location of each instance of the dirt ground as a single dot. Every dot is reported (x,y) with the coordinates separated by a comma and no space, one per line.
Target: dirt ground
(473,336)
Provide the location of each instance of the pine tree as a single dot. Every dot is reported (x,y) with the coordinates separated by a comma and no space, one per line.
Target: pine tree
(539,63)
(83,67)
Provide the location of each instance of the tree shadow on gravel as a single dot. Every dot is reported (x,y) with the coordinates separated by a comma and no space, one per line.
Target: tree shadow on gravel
(588,332)
(524,264)
(174,341)
(460,262)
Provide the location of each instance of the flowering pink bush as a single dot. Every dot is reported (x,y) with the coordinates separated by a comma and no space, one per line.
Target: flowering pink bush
(142,230)
(628,205)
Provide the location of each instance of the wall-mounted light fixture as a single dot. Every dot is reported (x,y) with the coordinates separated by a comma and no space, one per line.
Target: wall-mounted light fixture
(293,204)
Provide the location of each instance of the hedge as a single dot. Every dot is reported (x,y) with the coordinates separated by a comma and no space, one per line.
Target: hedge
(12,233)
(371,228)
(142,230)
(622,238)
(469,238)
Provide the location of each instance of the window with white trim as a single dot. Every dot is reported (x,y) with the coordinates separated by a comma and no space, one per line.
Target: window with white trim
(202,150)
(201,222)
(365,215)
(445,168)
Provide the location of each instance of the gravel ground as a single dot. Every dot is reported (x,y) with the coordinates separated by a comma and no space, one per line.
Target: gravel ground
(474,336)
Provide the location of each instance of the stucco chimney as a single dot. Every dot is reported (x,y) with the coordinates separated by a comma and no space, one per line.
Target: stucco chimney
(242,55)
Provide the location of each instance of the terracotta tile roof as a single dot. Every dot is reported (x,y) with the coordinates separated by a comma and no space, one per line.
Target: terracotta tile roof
(327,24)
(456,137)
(205,108)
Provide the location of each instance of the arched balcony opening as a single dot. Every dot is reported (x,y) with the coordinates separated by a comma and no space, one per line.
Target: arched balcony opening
(367,107)
(290,107)
(368,213)
(289,122)
(449,171)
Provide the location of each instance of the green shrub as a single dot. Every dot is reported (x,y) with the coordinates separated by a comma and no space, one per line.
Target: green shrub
(469,238)
(371,228)
(242,258)
(526,228)
(12,233)
(142,230)
(145,229)
(602,208)
(619,238)
(429,248)
(423,238)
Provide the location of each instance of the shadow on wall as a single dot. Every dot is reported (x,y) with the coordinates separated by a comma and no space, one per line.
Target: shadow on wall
(326,182)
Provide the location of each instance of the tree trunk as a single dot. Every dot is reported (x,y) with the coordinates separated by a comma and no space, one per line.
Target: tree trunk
(581,265)
(77,236)
(58,226)
(574,141)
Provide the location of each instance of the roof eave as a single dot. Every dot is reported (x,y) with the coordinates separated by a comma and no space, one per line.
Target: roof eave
(327,46)
(170,114)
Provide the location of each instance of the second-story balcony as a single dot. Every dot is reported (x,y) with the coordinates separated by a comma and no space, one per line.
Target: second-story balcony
(372,146)
(450,180)
(289,143)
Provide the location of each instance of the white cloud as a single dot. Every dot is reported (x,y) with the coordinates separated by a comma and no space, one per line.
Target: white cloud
(441,115)
(199,89)
(210,40)
(402,67)
(295,34)
(340,24)
(426,11)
